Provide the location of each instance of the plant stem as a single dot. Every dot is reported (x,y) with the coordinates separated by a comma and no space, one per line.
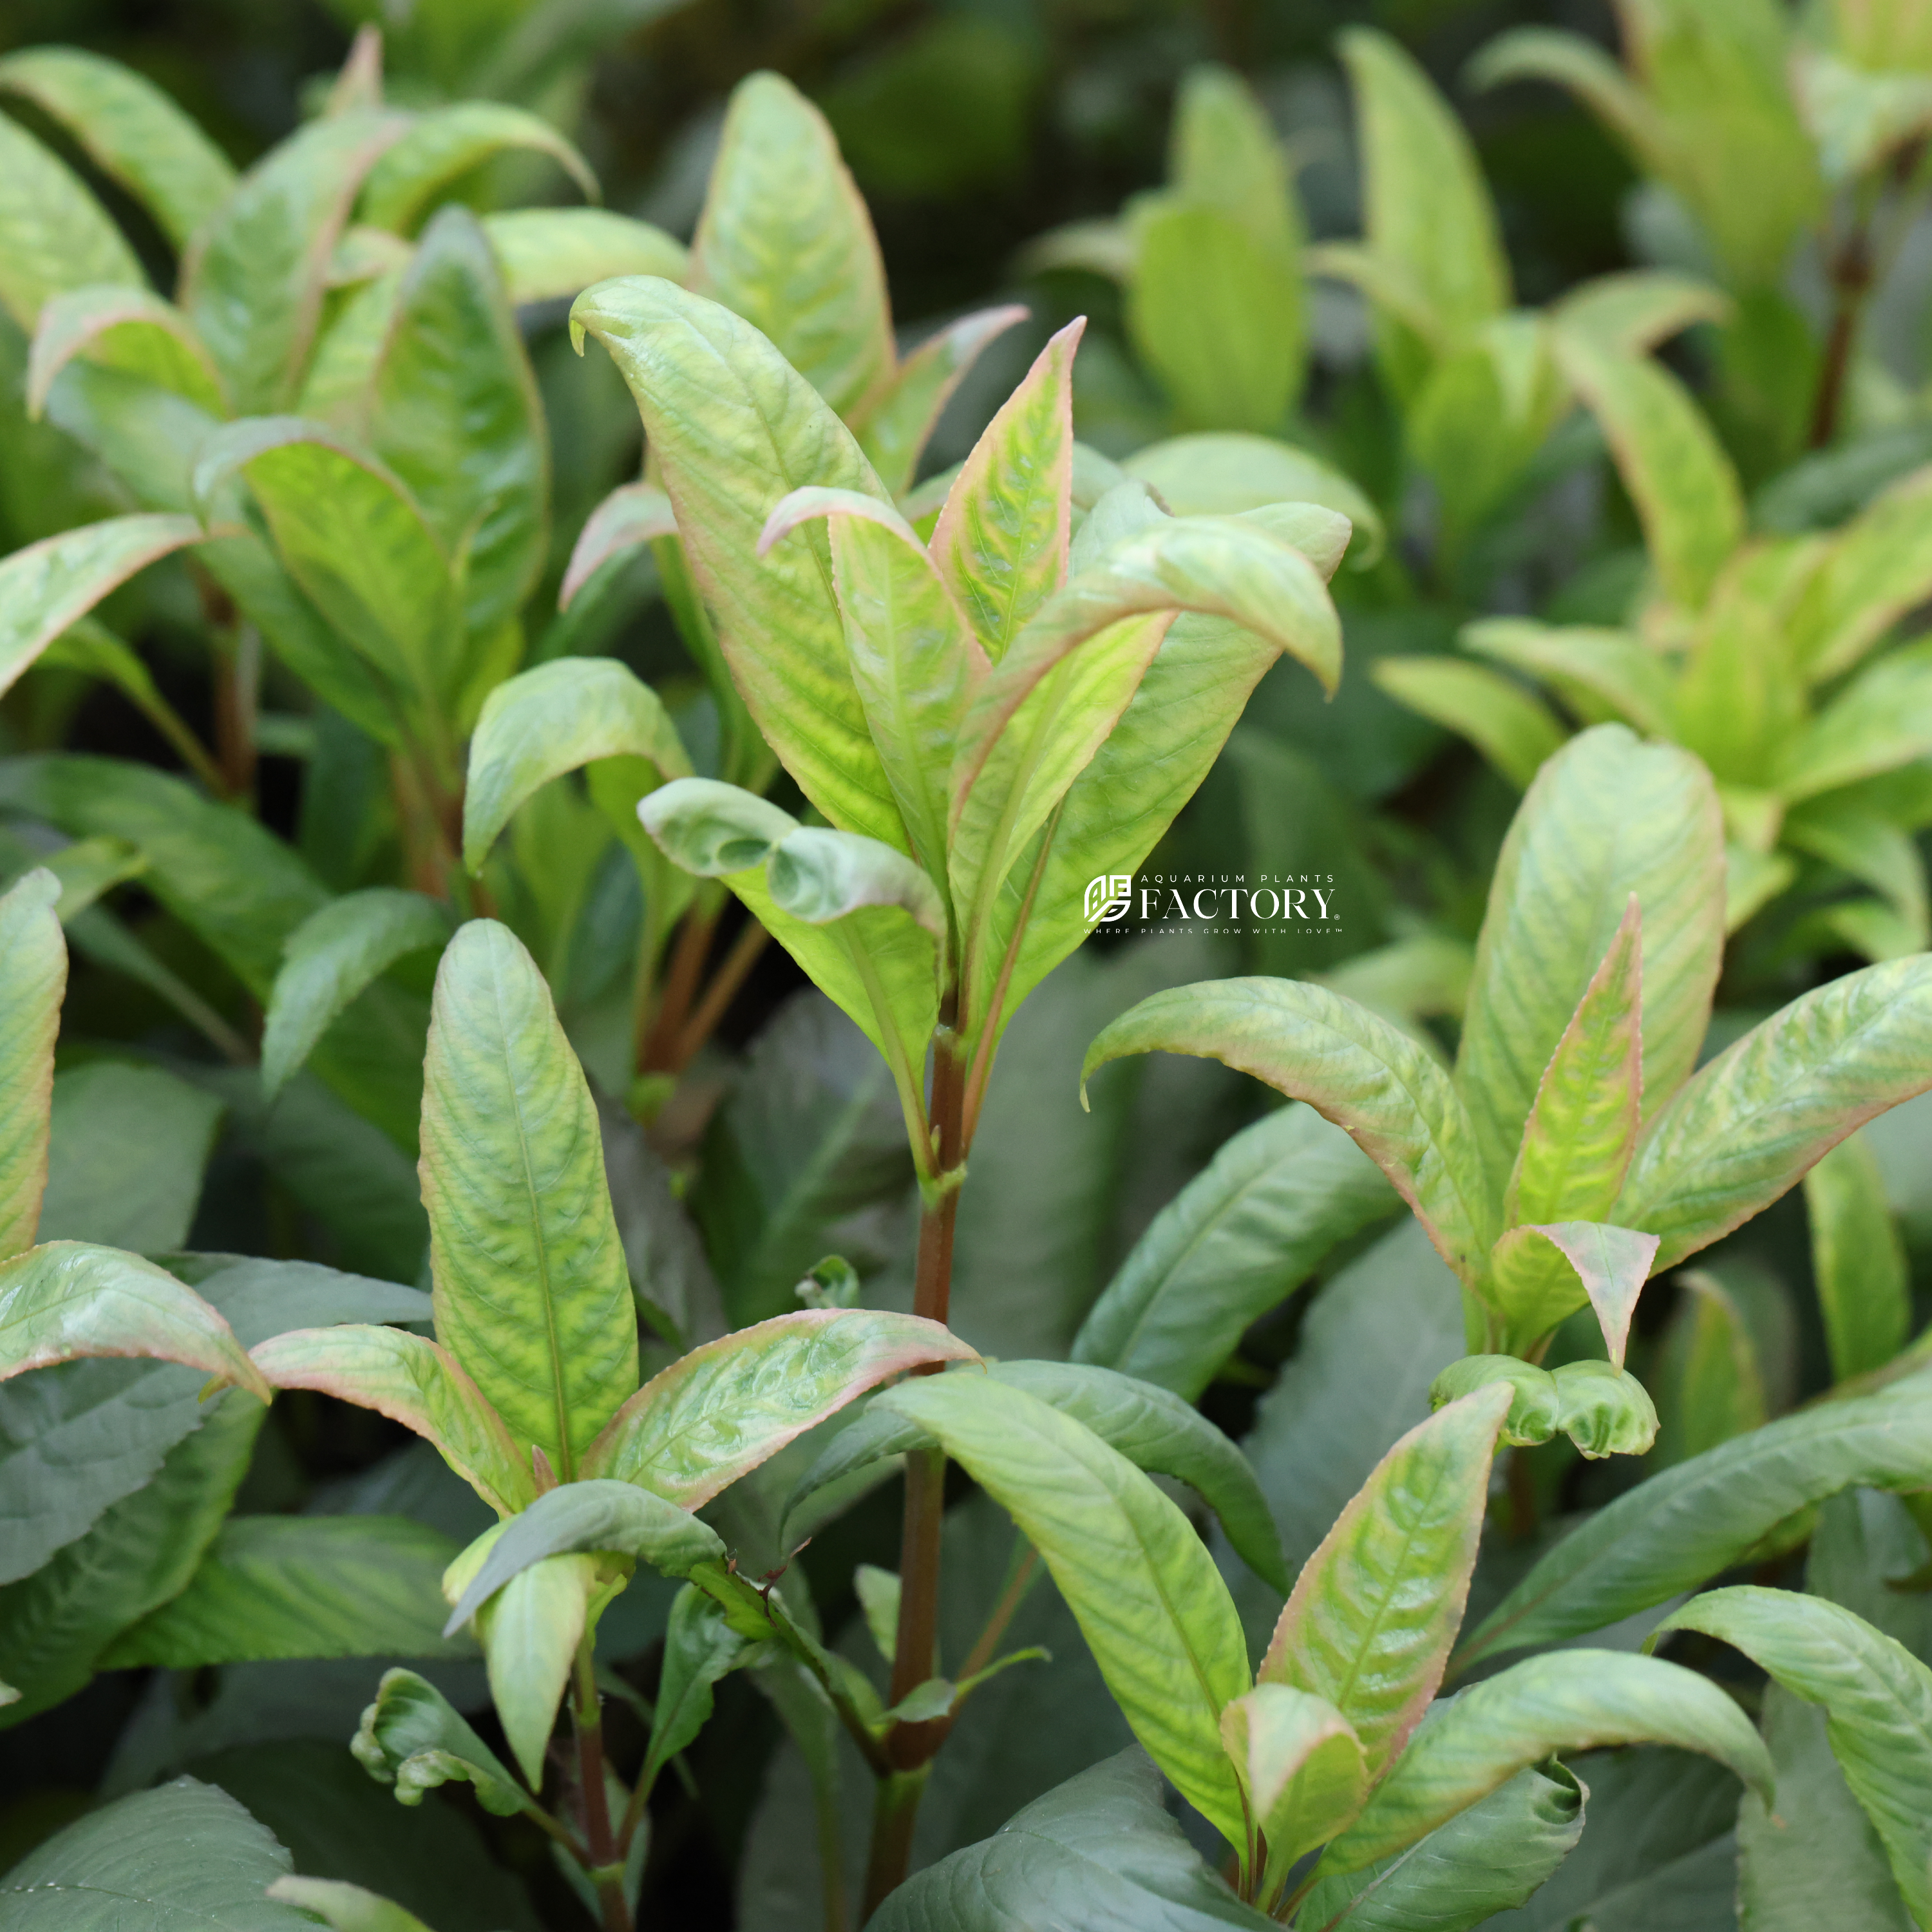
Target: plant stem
(895,1812)
(601,1845)
(687,954)
(1018,1582)
(718,994)
(237,678)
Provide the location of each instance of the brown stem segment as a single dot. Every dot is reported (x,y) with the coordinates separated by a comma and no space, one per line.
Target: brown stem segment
(687,956)
(1851,280)
(719,994)
(599,1840)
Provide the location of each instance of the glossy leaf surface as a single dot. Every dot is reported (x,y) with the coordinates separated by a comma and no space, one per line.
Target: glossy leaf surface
(1376,1609)
(1569,1701)
(1137,1578)
(532,1296)
(726,1407)
(1750,1124)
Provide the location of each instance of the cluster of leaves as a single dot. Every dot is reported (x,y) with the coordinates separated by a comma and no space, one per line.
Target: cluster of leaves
(658,1316)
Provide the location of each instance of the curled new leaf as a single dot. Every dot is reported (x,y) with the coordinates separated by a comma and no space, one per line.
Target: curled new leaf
(1605,1412)
(413,1737)
(64,1299)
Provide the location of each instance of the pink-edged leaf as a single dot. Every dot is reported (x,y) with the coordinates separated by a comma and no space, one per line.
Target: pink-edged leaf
(64,1300)
(51,585)
(1582,1125)
(893,421)
(1001,542)
(413,1381)
(1544,1271)
(630,517)
(1376,1610)
(132,329)
(726,1407)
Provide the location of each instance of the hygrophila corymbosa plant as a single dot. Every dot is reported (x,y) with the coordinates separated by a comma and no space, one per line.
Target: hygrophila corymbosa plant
(985,721)
(528,1392)
(784,241)
(1759,126)
(334,414)
(1215,268)
(1761,653)
(1573,1152)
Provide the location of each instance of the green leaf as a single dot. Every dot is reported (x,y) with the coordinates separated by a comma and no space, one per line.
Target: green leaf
(1877,1698)
(1141,1585)
(700,1648)
(570,712)
(734,428)
(131,131)
(1636,309)
(33,981)
(1002,537)
(1427,213)
(1709,1374)
(64,1299)
(784,241)
(729,1406)
(290,1586)
(1882,720)
(1512,728)
(913,658)
(55,1624)
(446,143)
(1857,1261)
(453,409)
(1570,1701)
(1568,60)
(130,329)
(1483,1861)
(1302,1767)
(1216,317)
(332,956)
(1582,1125)
(186,1854)
(1353,1068)
(547,253)
(74,1440)
(50,585)
(1606,817)
(1221,475)
(1816,1858)
(416,1382)
(254,282)
(348,1908)
(1099,1853)
(1376,1609)
(356,542)
(1605,1412)
(1686,492)
(1236,1242)
(1157,1430)
(1876,570)
(532,1296)
(1546,1271)
(1589,668)
(124,1165)
(412,1739)
(54,235)
(1693,1521)
(633,515)
(894,421)
(578,1519)
(1749,1125)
